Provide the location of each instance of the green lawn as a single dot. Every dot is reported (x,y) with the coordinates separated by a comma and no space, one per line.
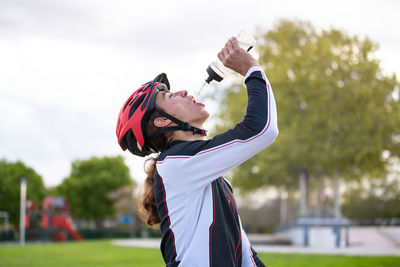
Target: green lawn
(103,253)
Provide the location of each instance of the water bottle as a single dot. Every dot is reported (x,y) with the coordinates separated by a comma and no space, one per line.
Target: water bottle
(216,70)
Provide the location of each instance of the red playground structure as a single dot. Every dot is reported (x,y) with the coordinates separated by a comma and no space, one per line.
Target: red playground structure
(54,222)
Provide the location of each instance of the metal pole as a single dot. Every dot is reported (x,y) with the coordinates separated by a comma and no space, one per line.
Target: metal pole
(22,212)
(306,241)
(283,206)
(303,197)
(6,222)
(320,190)
(336,199)
(338,233)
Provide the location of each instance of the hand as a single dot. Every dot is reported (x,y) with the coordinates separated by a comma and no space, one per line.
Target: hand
(236,58)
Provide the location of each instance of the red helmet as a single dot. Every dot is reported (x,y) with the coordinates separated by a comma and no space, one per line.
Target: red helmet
(134,115)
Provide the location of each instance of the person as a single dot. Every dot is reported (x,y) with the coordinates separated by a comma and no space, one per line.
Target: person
(184,190)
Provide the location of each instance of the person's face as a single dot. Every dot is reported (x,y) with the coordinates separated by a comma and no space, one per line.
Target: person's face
(182,106)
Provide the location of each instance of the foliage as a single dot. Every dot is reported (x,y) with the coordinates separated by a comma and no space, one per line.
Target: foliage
(336,108)
(380,200)
(10,178)
(89,184)
(260,219)
(103,253)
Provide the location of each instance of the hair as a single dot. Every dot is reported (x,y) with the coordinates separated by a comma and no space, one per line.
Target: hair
(147,205)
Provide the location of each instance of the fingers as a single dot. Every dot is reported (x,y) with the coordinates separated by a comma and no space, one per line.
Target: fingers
(234,57)
(234,42)
(225,52)
(228,49)
(229,46)
(221,56)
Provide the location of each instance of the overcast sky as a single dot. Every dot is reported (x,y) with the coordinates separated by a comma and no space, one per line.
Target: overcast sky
(66,67)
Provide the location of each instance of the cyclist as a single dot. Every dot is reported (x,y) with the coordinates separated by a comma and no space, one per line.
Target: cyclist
(185,191)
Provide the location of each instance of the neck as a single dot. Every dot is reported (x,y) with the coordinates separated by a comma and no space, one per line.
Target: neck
(186,136)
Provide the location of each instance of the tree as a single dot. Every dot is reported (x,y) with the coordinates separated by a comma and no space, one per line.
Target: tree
(380,200)
(10,178)
(125,202)
(336,110)
(89,184)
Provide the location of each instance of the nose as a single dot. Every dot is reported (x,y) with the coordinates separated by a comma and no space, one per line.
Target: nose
(181,93)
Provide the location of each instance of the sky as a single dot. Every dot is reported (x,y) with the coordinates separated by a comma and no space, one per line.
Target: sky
(67,67)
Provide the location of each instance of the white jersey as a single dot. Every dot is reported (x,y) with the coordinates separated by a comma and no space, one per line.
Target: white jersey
(199,220)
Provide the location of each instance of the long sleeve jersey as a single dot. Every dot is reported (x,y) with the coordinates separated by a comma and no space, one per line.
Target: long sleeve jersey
(200,224)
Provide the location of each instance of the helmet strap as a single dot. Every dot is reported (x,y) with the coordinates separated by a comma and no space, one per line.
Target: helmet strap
(181,126)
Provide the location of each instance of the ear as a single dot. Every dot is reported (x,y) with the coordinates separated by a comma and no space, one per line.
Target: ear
(162,122)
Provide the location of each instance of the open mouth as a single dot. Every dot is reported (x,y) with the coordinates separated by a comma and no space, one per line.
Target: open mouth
(194,101)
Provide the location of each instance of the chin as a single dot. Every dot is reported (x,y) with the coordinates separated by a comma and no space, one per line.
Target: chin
(206,115)
(200,120)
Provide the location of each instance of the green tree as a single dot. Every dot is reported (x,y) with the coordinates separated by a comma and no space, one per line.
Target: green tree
(336,110)
(10,177)
(89,184)
(380,200)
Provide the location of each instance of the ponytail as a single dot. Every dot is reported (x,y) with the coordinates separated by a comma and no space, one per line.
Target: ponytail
(147,205)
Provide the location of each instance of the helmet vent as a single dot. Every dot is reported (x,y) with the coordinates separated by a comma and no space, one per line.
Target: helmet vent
(127,103)
(135,105)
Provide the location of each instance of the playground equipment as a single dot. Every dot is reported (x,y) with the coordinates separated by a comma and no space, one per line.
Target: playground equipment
(54,222)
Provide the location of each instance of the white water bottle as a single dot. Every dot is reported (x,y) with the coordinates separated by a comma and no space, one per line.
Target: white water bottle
(216,70)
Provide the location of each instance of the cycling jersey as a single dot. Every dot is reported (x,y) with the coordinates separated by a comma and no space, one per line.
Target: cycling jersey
(200,224)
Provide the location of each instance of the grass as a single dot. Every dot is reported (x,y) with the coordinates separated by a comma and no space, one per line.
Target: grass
(103,253)
(309,260)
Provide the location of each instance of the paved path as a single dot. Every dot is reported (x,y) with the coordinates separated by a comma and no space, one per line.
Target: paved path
(354,251)
(371,241)
(155,243)
(393,233)
(372,237)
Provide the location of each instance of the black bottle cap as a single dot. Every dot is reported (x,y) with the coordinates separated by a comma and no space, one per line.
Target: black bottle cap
(212,75)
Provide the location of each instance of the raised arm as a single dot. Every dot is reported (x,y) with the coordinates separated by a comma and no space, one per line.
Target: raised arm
(225,151)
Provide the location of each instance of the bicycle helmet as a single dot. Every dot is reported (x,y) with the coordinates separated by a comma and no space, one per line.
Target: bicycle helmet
(135,113)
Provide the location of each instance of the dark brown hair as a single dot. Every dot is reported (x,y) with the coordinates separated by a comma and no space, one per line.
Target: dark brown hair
(146,202)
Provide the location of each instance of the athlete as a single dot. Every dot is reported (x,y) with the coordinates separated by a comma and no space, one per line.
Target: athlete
(185,191)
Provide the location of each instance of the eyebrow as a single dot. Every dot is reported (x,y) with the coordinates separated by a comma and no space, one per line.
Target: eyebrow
(165,94)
